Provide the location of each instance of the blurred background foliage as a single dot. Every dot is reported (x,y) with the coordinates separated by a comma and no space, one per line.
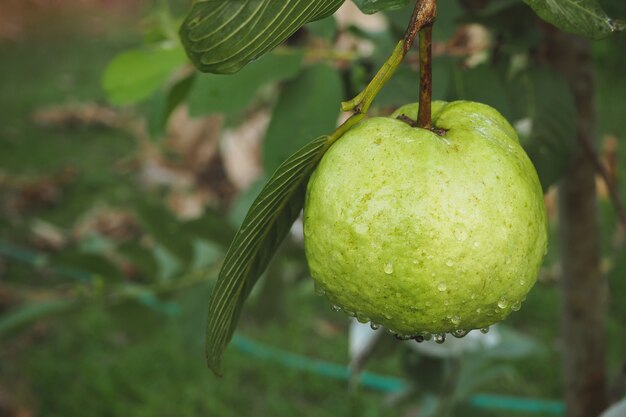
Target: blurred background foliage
(124,174)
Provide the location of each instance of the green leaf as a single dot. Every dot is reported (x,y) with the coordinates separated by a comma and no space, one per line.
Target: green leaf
(223,36)
(94,264)
(210,226)
(373,6)
(583,17)
(162,103)
(307,108)
(552,139)
(29,313)
(166,230)
(135,75)
(230,94)
(267,223)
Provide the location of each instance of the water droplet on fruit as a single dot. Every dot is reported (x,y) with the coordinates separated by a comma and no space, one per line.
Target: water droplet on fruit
(318,289)
(439,337)
(502,303)
(477,244)
(484,330)
(401,336)
(516,306)
(456,320)
(388,268)
(374,326)
(427,336)
(335,307)
(387,316)
(473,296)
(449,262)
(478,310)
(522,282)
(459,333)
(442,286)
(349,313)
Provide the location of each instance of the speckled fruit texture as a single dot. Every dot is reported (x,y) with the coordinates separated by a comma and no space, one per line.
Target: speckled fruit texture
(427,233)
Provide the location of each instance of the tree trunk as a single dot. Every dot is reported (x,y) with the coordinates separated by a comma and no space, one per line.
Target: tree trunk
(583,286)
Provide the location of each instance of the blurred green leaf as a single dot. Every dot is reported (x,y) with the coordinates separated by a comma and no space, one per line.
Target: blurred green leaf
(141,258)
(483,84)
(211,226)
(166,230)
(267,223)
(308,106)
(134,75)
(324,28)
(162,103)
(96,265)
(233,93)
(553,129)
(223,36)
(583,17)
(25,315)
(373,6)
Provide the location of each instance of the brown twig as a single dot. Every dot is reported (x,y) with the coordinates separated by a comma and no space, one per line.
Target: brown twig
(424,117)
(611,185)
(423,15)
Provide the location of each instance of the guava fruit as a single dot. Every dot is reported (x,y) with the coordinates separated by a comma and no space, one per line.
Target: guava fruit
(426,232)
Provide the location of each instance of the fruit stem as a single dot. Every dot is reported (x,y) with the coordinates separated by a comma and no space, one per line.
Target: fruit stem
(423,17)
(424,117)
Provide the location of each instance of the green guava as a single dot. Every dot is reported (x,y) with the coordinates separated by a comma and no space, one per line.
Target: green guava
(426,232)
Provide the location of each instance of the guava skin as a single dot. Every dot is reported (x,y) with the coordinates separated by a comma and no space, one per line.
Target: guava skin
(427,233)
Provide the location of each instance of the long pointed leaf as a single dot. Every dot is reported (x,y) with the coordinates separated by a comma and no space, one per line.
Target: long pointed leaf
(583,17)
(267,223)
(223,36)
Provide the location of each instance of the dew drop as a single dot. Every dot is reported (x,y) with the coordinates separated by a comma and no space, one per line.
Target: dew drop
(502,303)
(388,268)
(484,330)
(478,310)
(522,282)
(442,286)
(401,336)
(419,338)
(459,333)
(349,313)
(374,326)
(456,320)
(427,336)
(439,337)
(335,307)
(449,262)
(516,306)
(477,244)
(473,296)
(387,316)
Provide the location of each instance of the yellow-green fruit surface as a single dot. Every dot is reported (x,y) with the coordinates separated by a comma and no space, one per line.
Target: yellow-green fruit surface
(424,232)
